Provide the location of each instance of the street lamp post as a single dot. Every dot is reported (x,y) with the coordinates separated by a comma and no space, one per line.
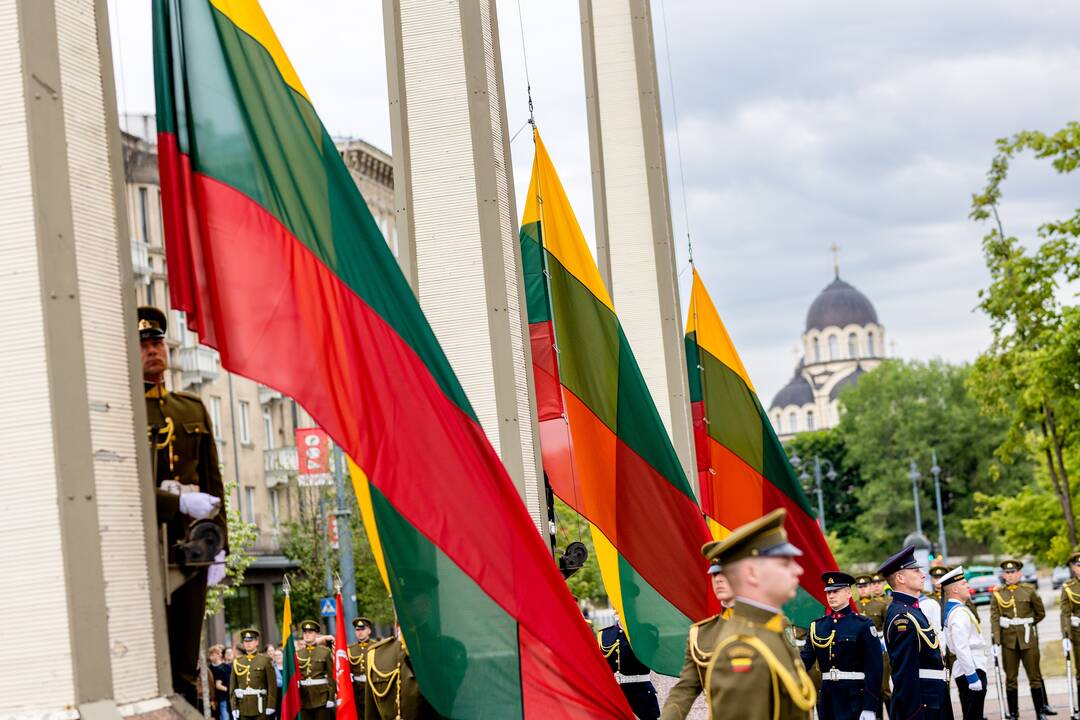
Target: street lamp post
(818,490)
(915,476)
(935,470)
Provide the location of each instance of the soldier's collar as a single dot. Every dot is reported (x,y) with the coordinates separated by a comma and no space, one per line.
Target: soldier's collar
(156,391)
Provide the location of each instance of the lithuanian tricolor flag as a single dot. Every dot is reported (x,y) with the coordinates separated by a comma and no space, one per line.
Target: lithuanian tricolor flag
(605,449)
(280,266)
(743,471)
(290,667)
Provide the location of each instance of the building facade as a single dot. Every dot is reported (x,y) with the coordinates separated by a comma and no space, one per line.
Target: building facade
(842,340)
(254,426)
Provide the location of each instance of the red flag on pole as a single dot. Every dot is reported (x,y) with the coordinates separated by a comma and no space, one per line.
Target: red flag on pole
(342,669)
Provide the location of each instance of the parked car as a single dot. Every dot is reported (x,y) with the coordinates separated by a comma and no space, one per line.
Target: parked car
(1059,577)
(974,571)
(1028,574)
(982,588)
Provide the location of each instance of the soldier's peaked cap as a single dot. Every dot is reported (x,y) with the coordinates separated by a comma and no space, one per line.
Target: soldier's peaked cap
(152,323)
(939,571)
(361,622)
(863,579)
(1075,557)
(764,537)
(902,560)
(1011,564)
(310,625)
(836,580)
(249,634)
(954,575)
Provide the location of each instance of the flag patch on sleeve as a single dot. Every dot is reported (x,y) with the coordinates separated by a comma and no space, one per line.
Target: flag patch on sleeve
(741,665)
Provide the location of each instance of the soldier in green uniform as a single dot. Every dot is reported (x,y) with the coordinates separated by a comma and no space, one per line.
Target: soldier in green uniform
(187,483)
(392,692)
(317,688)
(699,647)
(1015,610)
(253,686)
(1070,614)
(358,660)
(875,610)
(755,672)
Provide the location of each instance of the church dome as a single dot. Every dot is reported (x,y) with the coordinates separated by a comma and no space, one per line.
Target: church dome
(839,305)
(796,392)
(851,379)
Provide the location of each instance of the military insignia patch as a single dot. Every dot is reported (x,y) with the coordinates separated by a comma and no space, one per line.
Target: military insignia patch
(900,626)
(741,665)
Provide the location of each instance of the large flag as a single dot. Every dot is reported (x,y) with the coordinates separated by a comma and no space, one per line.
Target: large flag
(290,667)
(743,471)
(342,668)
(275,257)
(605,449)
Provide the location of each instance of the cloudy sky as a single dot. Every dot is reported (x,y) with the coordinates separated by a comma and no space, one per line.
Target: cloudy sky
(802,124)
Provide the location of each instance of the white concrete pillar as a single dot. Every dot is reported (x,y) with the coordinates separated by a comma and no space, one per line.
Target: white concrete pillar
(81,612)
(631,205)
(456,218)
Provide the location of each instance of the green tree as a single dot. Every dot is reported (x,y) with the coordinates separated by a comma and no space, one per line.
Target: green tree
(242,536)
(1030,374)
(899,413)
(841,493)
(586,584)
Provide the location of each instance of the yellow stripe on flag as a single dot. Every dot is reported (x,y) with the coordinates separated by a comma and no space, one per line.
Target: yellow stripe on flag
(607,557)
(286,619)
(367,513)
(703,319)
(719,532)
(247,16)
(560,233)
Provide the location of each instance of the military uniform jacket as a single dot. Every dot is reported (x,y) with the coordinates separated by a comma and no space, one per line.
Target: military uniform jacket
(1070,610)
(1014,612)
(918,669)
(317,685)
(391,690)
(253,685)
(843,643)
(875,608)
(358,667)
(755,672)
(183,451)
(615,646)
(965,640)
(699,648)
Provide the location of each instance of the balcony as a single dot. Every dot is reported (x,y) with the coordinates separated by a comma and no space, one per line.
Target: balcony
(198,365)
(279,465)
(140,260)
(268,395)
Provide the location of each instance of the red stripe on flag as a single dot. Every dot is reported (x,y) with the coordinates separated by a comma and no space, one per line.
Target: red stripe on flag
(342,669)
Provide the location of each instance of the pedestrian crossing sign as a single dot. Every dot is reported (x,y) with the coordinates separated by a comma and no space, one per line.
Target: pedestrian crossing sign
(328,608)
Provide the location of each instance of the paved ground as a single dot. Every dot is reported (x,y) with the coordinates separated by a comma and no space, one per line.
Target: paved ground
(1053,667)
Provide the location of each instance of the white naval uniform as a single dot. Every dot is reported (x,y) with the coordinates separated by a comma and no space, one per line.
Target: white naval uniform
(965,640)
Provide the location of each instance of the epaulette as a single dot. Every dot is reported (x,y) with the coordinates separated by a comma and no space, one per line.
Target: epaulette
(707,620)
(380,643)
(186,395)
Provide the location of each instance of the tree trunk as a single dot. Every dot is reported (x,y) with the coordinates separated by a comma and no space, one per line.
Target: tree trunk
(1065,495)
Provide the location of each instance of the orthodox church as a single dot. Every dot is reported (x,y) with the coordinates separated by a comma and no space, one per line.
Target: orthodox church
(843,339)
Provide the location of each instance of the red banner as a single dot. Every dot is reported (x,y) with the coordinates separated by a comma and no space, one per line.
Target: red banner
(312,451)
(346,709)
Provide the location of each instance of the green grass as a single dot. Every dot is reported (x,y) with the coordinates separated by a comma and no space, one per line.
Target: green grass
(1053,660)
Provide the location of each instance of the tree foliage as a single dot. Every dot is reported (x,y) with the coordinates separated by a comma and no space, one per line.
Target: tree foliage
(585,585)
(840,494)
(242,536)
(1030,374)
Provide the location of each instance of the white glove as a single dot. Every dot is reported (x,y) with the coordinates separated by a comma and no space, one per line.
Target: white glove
(994,651)
(975,686)
(867,715)
(331,704)
(199,505)
(236,713)
(216,573)
(269,711)
(1066,646)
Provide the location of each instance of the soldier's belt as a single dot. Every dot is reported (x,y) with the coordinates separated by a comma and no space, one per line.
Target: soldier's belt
(359,678)
(313,681)
(928,674)
(241,692)
(1018,622)
(627,679)
(1074,621)
(835,675)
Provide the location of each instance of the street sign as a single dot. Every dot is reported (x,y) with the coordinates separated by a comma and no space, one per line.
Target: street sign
(327,607)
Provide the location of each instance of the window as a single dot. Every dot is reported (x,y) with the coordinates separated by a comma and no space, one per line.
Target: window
(834,348)
(151,296)
(275,507)
(817,350)
(144,215)
(241,609)
(809,419)
(249,504)
(268,429)
(853,346)
(245,422)
(777,423)
(793,422)
(215,416)
(870,343)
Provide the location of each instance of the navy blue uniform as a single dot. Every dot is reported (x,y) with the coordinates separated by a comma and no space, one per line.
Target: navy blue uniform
(631,674)
(918,671)
(845,642)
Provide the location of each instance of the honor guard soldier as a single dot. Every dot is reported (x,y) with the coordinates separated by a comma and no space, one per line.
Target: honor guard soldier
(918,670)
(358,661)
(253,686)
(188,488)
(964,638)
(391,691)
(699,647)
(1070,615)
(317,688)
(1015,610)
(845,647)
(936,573)
(875,608)
(631,674)
(755,672)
